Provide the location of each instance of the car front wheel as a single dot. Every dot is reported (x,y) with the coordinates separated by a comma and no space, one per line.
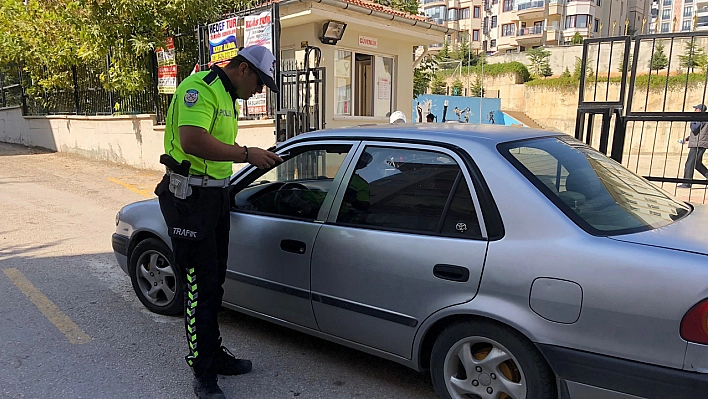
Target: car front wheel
(480,359)
(155,277)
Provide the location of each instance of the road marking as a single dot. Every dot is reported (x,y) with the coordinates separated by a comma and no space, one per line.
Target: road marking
(144,193)
(61,321)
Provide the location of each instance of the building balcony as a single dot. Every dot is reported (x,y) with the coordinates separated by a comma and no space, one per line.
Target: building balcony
(528,37)
(580,7)
(531,9)
(555,7)
(585,33)
(701,4)
(702,23)
(506,43)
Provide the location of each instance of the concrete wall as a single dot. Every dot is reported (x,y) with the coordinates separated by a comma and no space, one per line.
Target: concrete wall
(556,109)
(133,140)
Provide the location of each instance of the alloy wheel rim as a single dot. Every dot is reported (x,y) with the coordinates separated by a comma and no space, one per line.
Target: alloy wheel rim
(156,278)
(479,367)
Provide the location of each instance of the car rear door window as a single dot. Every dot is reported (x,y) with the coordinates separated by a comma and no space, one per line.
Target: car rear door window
(410,190)
(597,193)
(296,188)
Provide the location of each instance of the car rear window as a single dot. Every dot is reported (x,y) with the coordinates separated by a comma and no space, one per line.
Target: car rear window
(600,195)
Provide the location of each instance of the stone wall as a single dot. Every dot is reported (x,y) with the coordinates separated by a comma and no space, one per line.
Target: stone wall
(134,140)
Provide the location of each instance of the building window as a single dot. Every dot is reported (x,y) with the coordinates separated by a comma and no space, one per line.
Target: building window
(599,3)
(578,21)
(666,14)
(688,11)
(596,27)
(495,1)
(437,13)
(507,30)
(665,27)
(667,2)
(493,43)
(452,14)
(464,13)
(494,21)
(477,12)
(508,5)
(475,35)
(364,84)
(686,26)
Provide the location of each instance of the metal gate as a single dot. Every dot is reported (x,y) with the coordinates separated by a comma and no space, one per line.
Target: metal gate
(643,90)
(301,106)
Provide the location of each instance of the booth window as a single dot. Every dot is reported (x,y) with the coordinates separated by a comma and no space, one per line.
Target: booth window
(364,84)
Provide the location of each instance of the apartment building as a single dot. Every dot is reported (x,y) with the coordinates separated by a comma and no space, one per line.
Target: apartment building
(517,25)
(462,15)
(678,16)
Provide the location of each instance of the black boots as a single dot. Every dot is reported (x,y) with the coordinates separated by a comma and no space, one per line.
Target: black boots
(205,387)
(225,363)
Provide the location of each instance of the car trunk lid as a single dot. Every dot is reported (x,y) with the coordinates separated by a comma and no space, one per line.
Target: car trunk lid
(688,234)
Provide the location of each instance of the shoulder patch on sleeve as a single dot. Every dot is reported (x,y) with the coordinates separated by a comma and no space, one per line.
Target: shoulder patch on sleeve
(191,97)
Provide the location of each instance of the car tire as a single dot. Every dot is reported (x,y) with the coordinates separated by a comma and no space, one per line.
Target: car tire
(156,280)
(479,359)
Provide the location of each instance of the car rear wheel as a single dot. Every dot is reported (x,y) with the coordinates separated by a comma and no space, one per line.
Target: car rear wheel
(156,280)
(480,360)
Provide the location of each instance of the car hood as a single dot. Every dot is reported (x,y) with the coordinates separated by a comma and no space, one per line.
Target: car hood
(688,234)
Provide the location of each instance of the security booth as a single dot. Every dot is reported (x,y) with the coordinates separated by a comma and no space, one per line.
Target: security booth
(347,63)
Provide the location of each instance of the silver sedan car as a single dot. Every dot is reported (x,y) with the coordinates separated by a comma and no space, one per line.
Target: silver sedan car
(509,263)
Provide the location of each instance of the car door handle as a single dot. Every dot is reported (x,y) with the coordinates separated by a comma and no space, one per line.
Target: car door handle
(293,246)
(451,272)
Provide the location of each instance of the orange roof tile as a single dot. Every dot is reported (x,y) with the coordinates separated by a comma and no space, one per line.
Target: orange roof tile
(388,10)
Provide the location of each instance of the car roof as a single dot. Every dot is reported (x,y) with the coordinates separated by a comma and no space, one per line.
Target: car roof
(447,133)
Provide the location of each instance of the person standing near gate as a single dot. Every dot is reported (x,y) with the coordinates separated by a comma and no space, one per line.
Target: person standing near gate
(697,144)
(200,147)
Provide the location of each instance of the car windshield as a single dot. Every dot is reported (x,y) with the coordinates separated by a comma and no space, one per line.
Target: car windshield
(596,192)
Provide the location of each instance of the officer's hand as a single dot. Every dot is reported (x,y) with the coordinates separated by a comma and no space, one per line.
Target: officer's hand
(262,159)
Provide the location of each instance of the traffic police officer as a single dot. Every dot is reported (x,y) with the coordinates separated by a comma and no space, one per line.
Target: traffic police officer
(202,122)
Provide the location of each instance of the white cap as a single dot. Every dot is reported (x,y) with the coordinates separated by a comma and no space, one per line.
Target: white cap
(264,62)
(398,117)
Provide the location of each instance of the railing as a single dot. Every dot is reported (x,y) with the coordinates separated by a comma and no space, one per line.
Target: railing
(530,5)
(534,30)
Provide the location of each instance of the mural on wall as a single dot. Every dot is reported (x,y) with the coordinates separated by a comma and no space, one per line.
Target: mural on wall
(431,108)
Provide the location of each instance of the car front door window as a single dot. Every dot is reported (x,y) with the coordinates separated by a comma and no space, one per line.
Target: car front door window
(297,188)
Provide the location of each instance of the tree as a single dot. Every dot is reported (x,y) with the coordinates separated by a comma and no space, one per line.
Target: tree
(620,68)
(578,67)
(695,57)
(539,58)
(476,89)
(409,6)
(658,60)
(444,53)
(423,75)
(438,85)
(457,88)
(52,36)
(566,73)
(576,39)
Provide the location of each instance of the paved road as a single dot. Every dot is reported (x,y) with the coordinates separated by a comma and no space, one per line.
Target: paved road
(71,327)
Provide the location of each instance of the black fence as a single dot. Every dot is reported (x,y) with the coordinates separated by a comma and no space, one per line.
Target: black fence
(643,90)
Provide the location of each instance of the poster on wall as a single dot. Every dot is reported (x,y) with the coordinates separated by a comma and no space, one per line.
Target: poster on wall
(223,45)
(384,88)
(258,31)
(166,68)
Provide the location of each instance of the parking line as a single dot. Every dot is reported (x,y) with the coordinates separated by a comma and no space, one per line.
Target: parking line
(144,193)
(61,321)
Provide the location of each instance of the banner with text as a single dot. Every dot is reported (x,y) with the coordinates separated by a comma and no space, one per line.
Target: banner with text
(223,45)
(166,68)
(258,31)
